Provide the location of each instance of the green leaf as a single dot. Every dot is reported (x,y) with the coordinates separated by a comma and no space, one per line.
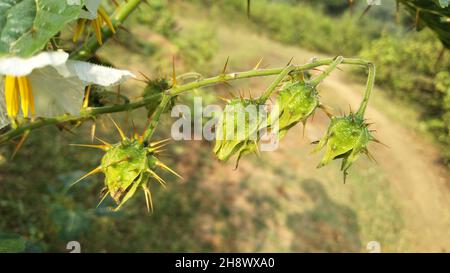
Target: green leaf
(10,243)
(444,3)
(433,15)
(26,26)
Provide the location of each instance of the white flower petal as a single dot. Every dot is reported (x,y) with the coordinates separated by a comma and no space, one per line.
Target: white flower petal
(92,8)
(4,120)
(54,94)
(16,66)
(84,14)
(95,74)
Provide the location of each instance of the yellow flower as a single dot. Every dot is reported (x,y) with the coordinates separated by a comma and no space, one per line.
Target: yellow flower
(94,16)
(48,84)
(13,87)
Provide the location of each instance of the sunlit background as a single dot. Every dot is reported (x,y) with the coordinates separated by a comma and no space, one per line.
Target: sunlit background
(279,201)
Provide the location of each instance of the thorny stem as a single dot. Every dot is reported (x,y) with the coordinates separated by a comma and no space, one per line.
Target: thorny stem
(314,82)
(266,95)
(118,18)
(155,118)
(90,112)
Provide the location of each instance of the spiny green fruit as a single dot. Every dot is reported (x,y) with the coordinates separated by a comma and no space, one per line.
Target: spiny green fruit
(124,165)
(346,138)
(297,101)
(129,165)
(237,130)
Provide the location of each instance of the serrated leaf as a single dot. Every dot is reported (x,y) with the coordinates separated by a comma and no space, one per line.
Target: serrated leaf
(26,26)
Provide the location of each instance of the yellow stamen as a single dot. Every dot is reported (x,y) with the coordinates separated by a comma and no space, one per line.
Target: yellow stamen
(10,89)
(96,23)
(13,87)
(86,96)
(24,95)
(102,13)
(31,97)
(79,28)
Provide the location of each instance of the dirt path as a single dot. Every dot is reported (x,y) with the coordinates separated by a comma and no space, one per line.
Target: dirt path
(403,201)
(419,184)
(411,165)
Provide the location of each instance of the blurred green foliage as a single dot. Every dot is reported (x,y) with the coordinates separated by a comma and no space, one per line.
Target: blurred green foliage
(411,64)
(298,24)
(155,14)
(39,214)
(197,48)
(432,14)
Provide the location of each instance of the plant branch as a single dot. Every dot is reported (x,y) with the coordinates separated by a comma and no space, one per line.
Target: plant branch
(314,82)
(91,112)
(268,92)
(155,118)
(368,91)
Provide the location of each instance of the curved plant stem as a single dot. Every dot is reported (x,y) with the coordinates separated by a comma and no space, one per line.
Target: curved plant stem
(369,87)
(90,112)
(155,118)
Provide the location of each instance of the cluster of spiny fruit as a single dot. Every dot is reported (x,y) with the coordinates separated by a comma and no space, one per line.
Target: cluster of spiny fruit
(346,138)
(132,163)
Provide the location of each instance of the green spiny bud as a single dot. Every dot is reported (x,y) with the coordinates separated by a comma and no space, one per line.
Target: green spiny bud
(124,166)
(297,101)
(346,138)
(128,166)
(238,128)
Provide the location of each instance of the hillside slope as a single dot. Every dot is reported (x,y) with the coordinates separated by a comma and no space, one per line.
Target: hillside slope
(408,174)
(280,201)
